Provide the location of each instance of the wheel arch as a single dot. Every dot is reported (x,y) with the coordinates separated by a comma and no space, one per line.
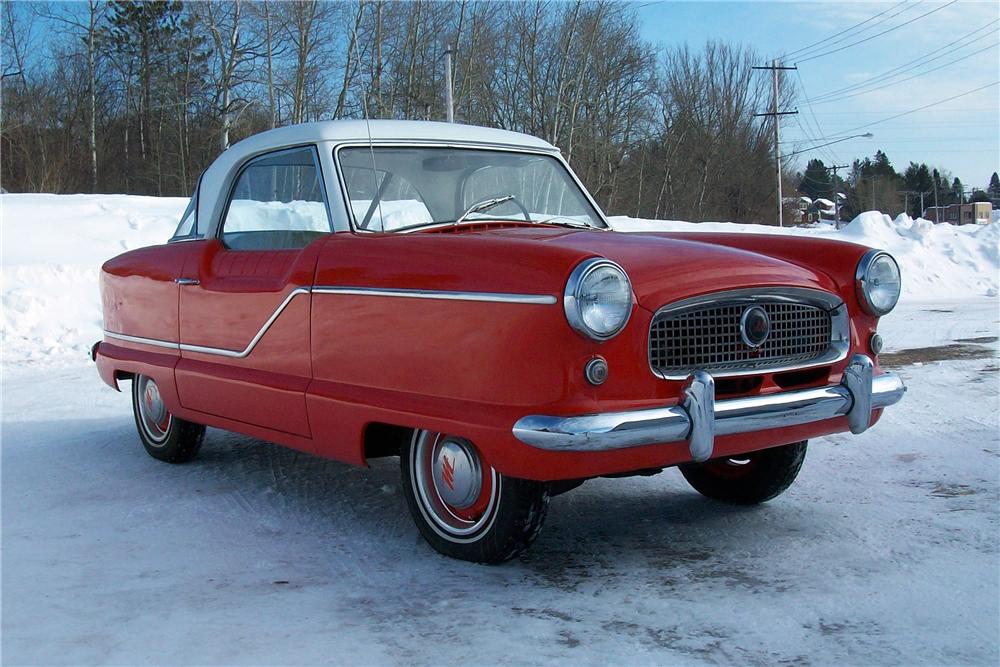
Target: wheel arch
(382,439)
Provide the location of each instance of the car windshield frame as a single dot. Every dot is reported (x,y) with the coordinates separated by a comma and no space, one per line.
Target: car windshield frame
(587,199)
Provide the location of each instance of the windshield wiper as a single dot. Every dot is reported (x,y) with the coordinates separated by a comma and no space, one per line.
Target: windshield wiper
(484,205)
(568,222)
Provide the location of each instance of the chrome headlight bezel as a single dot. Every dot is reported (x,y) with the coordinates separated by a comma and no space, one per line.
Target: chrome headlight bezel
(863,283)
(572,298)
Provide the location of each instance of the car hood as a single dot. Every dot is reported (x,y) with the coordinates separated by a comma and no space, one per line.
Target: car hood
(663,269)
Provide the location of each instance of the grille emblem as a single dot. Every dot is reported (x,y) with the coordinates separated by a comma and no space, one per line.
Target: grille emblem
(755,326)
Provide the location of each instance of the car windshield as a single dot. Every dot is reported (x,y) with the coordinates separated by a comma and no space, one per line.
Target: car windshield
(413,187)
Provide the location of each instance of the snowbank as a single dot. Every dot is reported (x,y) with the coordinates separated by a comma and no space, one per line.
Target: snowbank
(53,247)
(52,250)
(938,262)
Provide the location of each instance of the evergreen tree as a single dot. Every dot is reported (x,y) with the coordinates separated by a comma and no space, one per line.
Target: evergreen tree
(956,192)
(917,179)
(873,185)
(142,40)
(994,189)
(815,181)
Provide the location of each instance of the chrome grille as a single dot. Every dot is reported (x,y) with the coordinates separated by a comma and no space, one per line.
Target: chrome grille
(707,337)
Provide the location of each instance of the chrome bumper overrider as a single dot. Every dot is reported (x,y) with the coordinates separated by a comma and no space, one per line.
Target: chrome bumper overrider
(698,418)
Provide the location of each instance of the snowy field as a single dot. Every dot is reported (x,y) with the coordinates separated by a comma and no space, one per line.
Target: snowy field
(885,551)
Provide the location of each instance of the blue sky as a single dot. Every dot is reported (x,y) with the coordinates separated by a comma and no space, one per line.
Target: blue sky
(962,136)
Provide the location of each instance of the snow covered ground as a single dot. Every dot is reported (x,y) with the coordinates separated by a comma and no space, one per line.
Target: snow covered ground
(885,551)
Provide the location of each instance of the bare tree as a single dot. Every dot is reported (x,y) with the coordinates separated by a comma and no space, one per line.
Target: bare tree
(233,53)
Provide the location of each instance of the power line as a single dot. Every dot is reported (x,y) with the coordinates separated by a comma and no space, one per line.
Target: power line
(858,112)
(812,139)
(802,84)
(895,83)
(835,141)
(889,74)
(856,25)
(867,39)
(834,42)
(932,104)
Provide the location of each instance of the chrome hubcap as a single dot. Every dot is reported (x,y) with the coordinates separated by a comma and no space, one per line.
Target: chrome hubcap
(153,415)
(456,493)
(458,477)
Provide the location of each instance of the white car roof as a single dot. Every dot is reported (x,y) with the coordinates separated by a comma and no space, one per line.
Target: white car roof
(217,179)
(341,131)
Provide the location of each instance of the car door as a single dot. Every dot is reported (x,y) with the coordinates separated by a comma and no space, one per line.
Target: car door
(245,297)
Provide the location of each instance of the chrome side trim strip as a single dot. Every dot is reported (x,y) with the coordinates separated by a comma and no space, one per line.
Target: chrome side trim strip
(239,354)
(493,297)
(139,339)
(698,421)
(219,351)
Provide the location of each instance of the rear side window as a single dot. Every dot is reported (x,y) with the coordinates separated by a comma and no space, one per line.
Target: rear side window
(188,227)
(277,203)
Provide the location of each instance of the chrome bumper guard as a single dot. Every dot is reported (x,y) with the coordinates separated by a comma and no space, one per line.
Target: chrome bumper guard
(698,418)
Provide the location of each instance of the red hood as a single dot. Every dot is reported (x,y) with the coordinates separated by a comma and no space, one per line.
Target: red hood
(665,269)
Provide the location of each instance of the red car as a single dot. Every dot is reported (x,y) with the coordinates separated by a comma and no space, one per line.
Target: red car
(452,295)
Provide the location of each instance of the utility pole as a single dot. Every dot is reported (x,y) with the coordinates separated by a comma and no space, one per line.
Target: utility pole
(937,211)
(774,67)
(906,200)
(449,101)
(836,195)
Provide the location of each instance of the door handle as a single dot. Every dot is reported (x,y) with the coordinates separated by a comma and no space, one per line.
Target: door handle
(187,281)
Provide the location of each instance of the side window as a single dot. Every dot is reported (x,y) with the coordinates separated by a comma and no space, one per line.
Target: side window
(277,203)
(188,227)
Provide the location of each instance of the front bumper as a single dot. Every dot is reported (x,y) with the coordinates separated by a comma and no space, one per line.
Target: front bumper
(698,418)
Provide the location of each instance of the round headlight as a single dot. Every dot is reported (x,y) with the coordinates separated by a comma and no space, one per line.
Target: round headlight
(878,282)
(598,298)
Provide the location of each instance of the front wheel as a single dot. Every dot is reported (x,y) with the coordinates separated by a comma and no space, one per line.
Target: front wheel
(164,436)
(462,506)
(747,479)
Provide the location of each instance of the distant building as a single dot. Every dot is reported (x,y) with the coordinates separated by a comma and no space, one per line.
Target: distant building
(795,208)
(976,213)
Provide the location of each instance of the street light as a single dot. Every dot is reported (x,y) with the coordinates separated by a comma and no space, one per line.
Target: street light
(866,135)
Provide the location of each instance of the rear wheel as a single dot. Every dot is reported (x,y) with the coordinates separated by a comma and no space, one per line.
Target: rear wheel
(164,436)
(747,479)
(462,506)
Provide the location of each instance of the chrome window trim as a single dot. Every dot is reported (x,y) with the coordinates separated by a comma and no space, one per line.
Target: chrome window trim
(570,298)
(861,281)
(220,227)
(446,295)
(490,297)
(450,144)
(840,325)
